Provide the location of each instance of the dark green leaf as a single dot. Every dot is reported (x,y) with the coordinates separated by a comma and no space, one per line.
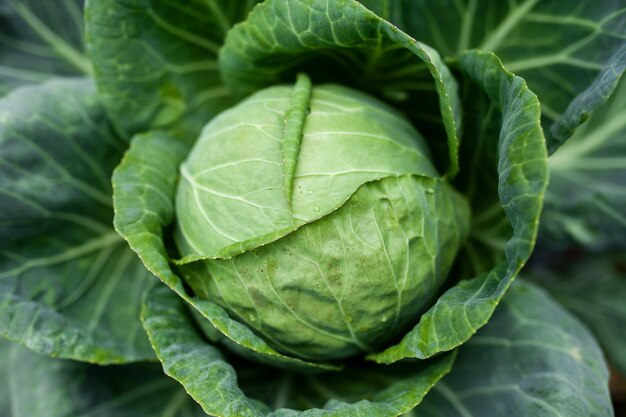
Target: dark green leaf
(533,359)
(69,286)
(571,55)
(594,289)
(41,386)
(5,393)
(212,381)
(39,40)
(586,200)
(510,174)
(156,61)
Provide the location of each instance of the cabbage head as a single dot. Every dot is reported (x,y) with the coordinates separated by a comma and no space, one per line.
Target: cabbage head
(320,218)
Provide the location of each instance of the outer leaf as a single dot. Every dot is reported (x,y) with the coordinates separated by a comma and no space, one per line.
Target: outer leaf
(155,61)
(594,289)
(520,172)
(5,394)
(586,199)
(572,56)
(39,40)
(533,359)
(144,194)
(40,386)
(341,40)
(69,287)
(212,381)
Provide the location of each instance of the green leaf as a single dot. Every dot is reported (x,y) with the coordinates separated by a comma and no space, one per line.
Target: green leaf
(39,40)
(144,185)
(342,41)
(240,189)
(594,289)
(509,169)
(533,359)
(5,393)
(69,286)
(571,55)
(220,384)
(587,194)
(347,283)
(42,386)
(156,61)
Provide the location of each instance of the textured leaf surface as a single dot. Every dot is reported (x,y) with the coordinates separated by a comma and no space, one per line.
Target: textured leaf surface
(155,61)
(144,206)
(69,286)
(586,200)
(351,281)
(251,178)
(519,169)
(594,289)
(344,42)
(39,40)
(213,382)
(533,359)
(41,386)
(572,56)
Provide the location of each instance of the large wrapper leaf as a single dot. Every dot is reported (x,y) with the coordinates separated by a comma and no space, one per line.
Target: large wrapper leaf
(219,385)
(68,388)
(69,286)
(155,61)
(39,40)
(533,359)
(592,287)
(571,57)
(587,194)
(506,180)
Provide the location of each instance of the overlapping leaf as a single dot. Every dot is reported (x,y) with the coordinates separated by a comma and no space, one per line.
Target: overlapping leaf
(572,56)
(342,41)
(506,163)
(155,61)
(213,381)
(586,200)
(144,205)
(533,359)
(69,286)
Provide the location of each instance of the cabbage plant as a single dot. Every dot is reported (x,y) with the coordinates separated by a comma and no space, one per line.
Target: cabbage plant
(312,208)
